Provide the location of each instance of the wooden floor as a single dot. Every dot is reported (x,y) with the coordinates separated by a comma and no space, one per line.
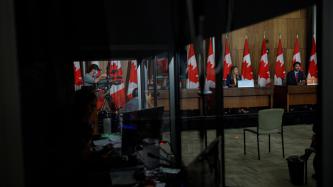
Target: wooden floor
(247,170)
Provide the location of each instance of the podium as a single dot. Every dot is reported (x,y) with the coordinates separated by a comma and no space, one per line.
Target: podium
(286,96)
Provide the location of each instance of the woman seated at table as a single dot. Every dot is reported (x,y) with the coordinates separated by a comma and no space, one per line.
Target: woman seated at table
(233,77)
(232,81)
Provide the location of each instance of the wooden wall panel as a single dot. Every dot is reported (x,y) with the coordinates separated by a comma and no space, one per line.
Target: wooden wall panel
(279,28)
(288,59)
(303,13)
(304,60)
(287,25)
(296,26)
(237,38)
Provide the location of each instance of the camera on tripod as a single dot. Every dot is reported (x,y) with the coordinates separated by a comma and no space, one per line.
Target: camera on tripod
(107,113)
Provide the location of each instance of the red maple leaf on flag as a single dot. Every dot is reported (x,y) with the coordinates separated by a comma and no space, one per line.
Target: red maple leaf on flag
(313,69)
(210,72)
(280,72)
(279,66)
(247,72)
(296,54)
(263,64)
(77,74)
(226,61)
(192,73)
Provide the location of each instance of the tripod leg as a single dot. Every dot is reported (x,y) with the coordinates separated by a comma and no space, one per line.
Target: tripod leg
(106,105)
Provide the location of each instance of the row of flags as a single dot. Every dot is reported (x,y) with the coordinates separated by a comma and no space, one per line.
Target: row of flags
(117,91)
(264,78)
(192,81)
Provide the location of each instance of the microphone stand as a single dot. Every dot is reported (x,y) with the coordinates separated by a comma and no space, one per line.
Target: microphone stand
(107,97)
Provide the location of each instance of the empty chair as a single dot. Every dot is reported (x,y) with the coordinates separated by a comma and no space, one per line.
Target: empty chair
(269,122)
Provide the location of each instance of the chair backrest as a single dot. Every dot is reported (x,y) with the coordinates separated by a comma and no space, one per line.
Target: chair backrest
(270,119)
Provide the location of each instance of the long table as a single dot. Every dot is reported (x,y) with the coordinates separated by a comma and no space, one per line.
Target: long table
(189,99)
(248,97)
(233,98)
(279,96)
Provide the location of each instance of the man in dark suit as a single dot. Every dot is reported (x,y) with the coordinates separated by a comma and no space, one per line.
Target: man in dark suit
(296,76)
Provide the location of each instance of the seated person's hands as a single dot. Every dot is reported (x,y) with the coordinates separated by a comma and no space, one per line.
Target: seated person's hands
(103,76)
(302,82)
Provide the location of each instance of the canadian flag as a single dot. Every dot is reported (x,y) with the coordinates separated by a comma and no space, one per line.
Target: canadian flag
(313,69)
(210,68)
(192,81)
(247,73)
(77,75)
(133,79)
(297,54)
(280,72)
(117,91)
(263,74)
(227,64)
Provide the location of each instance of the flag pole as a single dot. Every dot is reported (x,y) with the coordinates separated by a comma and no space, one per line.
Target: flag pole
(280,36)
(225,44)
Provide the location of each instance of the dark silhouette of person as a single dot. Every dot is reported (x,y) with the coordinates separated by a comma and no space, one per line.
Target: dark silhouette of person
(88,166)
(316,149)
(92,77)
(133,104)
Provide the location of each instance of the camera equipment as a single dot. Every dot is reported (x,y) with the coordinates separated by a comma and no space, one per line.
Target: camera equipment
(106,85)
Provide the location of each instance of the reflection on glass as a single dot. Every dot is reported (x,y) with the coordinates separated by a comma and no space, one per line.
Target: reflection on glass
(157,81)
(191,101)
